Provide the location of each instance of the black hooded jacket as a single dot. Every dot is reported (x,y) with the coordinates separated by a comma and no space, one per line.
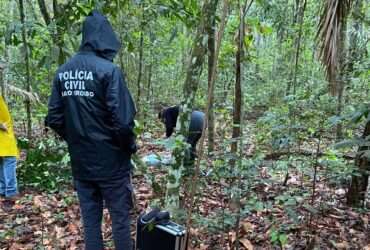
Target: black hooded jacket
(91,107)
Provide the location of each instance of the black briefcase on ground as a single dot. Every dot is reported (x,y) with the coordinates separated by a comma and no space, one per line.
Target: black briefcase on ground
(154,234)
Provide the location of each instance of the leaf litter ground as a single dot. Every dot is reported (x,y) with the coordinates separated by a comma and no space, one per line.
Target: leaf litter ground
(41,220)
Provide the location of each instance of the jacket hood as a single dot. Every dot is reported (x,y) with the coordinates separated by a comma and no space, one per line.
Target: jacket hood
(98,36)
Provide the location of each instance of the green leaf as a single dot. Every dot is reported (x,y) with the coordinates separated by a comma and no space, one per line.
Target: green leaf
(310,208)
(274,236)
(283,238)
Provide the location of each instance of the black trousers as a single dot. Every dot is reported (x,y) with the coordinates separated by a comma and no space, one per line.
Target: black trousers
(195,132)
(117,195)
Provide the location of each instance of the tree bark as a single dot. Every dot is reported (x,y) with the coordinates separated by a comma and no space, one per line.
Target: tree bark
(190,88)
(298,18)
(28,74)
(194,179)
(195,64)
(58,35)
(141,53)
(298,45)
(357,191)
(342,76)
(238,102)
(44,11)
(354,51)
(211,87)
(148,88)
(237,134)
(238,87)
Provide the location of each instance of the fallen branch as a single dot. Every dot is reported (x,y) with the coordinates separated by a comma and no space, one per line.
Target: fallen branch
(278,155)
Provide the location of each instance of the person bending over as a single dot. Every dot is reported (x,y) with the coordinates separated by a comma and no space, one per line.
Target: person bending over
(169,117)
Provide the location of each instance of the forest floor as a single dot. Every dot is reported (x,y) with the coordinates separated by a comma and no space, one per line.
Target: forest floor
(42,220)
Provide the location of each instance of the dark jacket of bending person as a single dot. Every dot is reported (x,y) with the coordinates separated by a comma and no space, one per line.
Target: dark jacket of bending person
(169,117)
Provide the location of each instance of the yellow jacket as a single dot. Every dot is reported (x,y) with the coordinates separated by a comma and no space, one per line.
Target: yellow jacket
(8,143)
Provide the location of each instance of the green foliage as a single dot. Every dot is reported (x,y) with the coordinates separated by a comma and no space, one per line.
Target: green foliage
(47,165)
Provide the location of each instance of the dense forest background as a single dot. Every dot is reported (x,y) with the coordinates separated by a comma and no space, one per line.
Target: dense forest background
(283,163)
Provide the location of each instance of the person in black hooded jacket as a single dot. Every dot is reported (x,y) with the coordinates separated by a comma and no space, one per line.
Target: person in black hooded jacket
(92,109)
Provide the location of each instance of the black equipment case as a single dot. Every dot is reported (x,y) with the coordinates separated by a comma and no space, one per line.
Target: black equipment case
(160,236)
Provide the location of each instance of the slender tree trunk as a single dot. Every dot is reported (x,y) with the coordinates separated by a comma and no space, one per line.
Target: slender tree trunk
(44,11)
(28,74)
(357,191)
(58,35)
(237,134)
(298,18)
(354,50)
(121,27)
(141,55)
(359,183)
(342,77)
(195,64)
(237,116)
(148,88)
(193,73)
(194,180)
(298,45)
(211,87)
(238,87)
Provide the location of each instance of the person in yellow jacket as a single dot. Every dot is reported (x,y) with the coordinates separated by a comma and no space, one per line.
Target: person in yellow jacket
(8,154)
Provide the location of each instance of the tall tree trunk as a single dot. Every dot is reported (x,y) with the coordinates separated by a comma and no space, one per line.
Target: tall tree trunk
(44,11)
(341,77)
(237,133)
(58,35)
(28,74)
(211,87)
(357,191)
(238,87)
(238,106)
(191,83)
(298,18)
(148,88)
(298,44)
(194,180)
(141,53)
(354,51)
(150,74)
(121,32)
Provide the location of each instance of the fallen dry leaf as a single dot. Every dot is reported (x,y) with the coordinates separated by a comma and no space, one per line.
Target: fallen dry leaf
(342,245)
(37,201)
(246,243)
(247,226)
(73,228)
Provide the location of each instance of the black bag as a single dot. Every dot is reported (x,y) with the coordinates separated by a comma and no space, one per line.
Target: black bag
(156,232)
